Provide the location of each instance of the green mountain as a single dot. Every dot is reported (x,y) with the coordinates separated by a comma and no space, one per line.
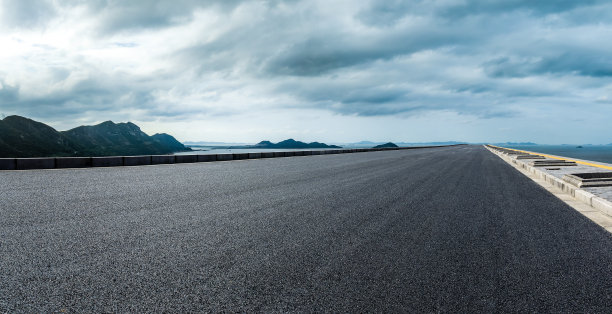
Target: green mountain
(170,142)
(109,138)
(386,145)
(22,137)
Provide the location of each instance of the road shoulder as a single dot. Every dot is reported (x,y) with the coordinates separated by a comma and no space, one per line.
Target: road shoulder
(582,201)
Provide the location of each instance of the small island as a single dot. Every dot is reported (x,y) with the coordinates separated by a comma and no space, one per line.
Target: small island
(386,145)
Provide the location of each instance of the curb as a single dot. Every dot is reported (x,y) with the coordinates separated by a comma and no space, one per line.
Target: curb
(117,161)
(596,202)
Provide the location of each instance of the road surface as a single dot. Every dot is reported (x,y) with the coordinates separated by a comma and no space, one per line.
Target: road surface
(431,230)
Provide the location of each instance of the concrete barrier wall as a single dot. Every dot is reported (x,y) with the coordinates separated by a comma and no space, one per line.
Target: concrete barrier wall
(112,161)
(186,158)
(34,163)
(225,157)
(73,162)
(8,164)
(241,156)
(136,160)
(162,159)
(115,161)
(207,158)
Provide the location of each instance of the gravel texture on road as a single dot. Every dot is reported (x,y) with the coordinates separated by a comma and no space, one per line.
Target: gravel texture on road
(451,229)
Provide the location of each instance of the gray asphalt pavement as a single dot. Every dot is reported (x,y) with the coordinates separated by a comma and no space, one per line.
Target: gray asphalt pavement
(432,230)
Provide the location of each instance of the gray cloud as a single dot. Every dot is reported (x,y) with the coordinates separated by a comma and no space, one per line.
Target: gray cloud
(8,94)
(385,13)
(27,13)
(509,67)
(333,50)
(590,64)
(499,114)
(120,16)
(594,64)
(99,95)
(542,7)
(485,59)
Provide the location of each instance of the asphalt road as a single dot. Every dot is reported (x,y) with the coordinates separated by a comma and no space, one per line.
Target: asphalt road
(432,230)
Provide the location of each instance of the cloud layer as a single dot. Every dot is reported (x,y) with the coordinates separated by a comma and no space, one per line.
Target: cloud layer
(398,70)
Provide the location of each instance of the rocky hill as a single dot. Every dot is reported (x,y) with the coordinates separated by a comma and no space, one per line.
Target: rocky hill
(23,137)
(168,141)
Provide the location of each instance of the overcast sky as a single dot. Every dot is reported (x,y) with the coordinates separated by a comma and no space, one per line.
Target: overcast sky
(332,71)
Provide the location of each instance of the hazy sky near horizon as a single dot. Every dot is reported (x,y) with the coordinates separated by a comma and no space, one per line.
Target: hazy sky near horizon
(332,71)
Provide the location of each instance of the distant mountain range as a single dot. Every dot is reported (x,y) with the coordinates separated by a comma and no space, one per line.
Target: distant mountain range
(289,143)
(23,137)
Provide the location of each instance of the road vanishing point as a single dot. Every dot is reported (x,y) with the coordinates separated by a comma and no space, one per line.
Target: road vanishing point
(453,229)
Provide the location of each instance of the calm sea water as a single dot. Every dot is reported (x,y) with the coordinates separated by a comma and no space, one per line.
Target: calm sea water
(588,152)
(213,150)
(599,153)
